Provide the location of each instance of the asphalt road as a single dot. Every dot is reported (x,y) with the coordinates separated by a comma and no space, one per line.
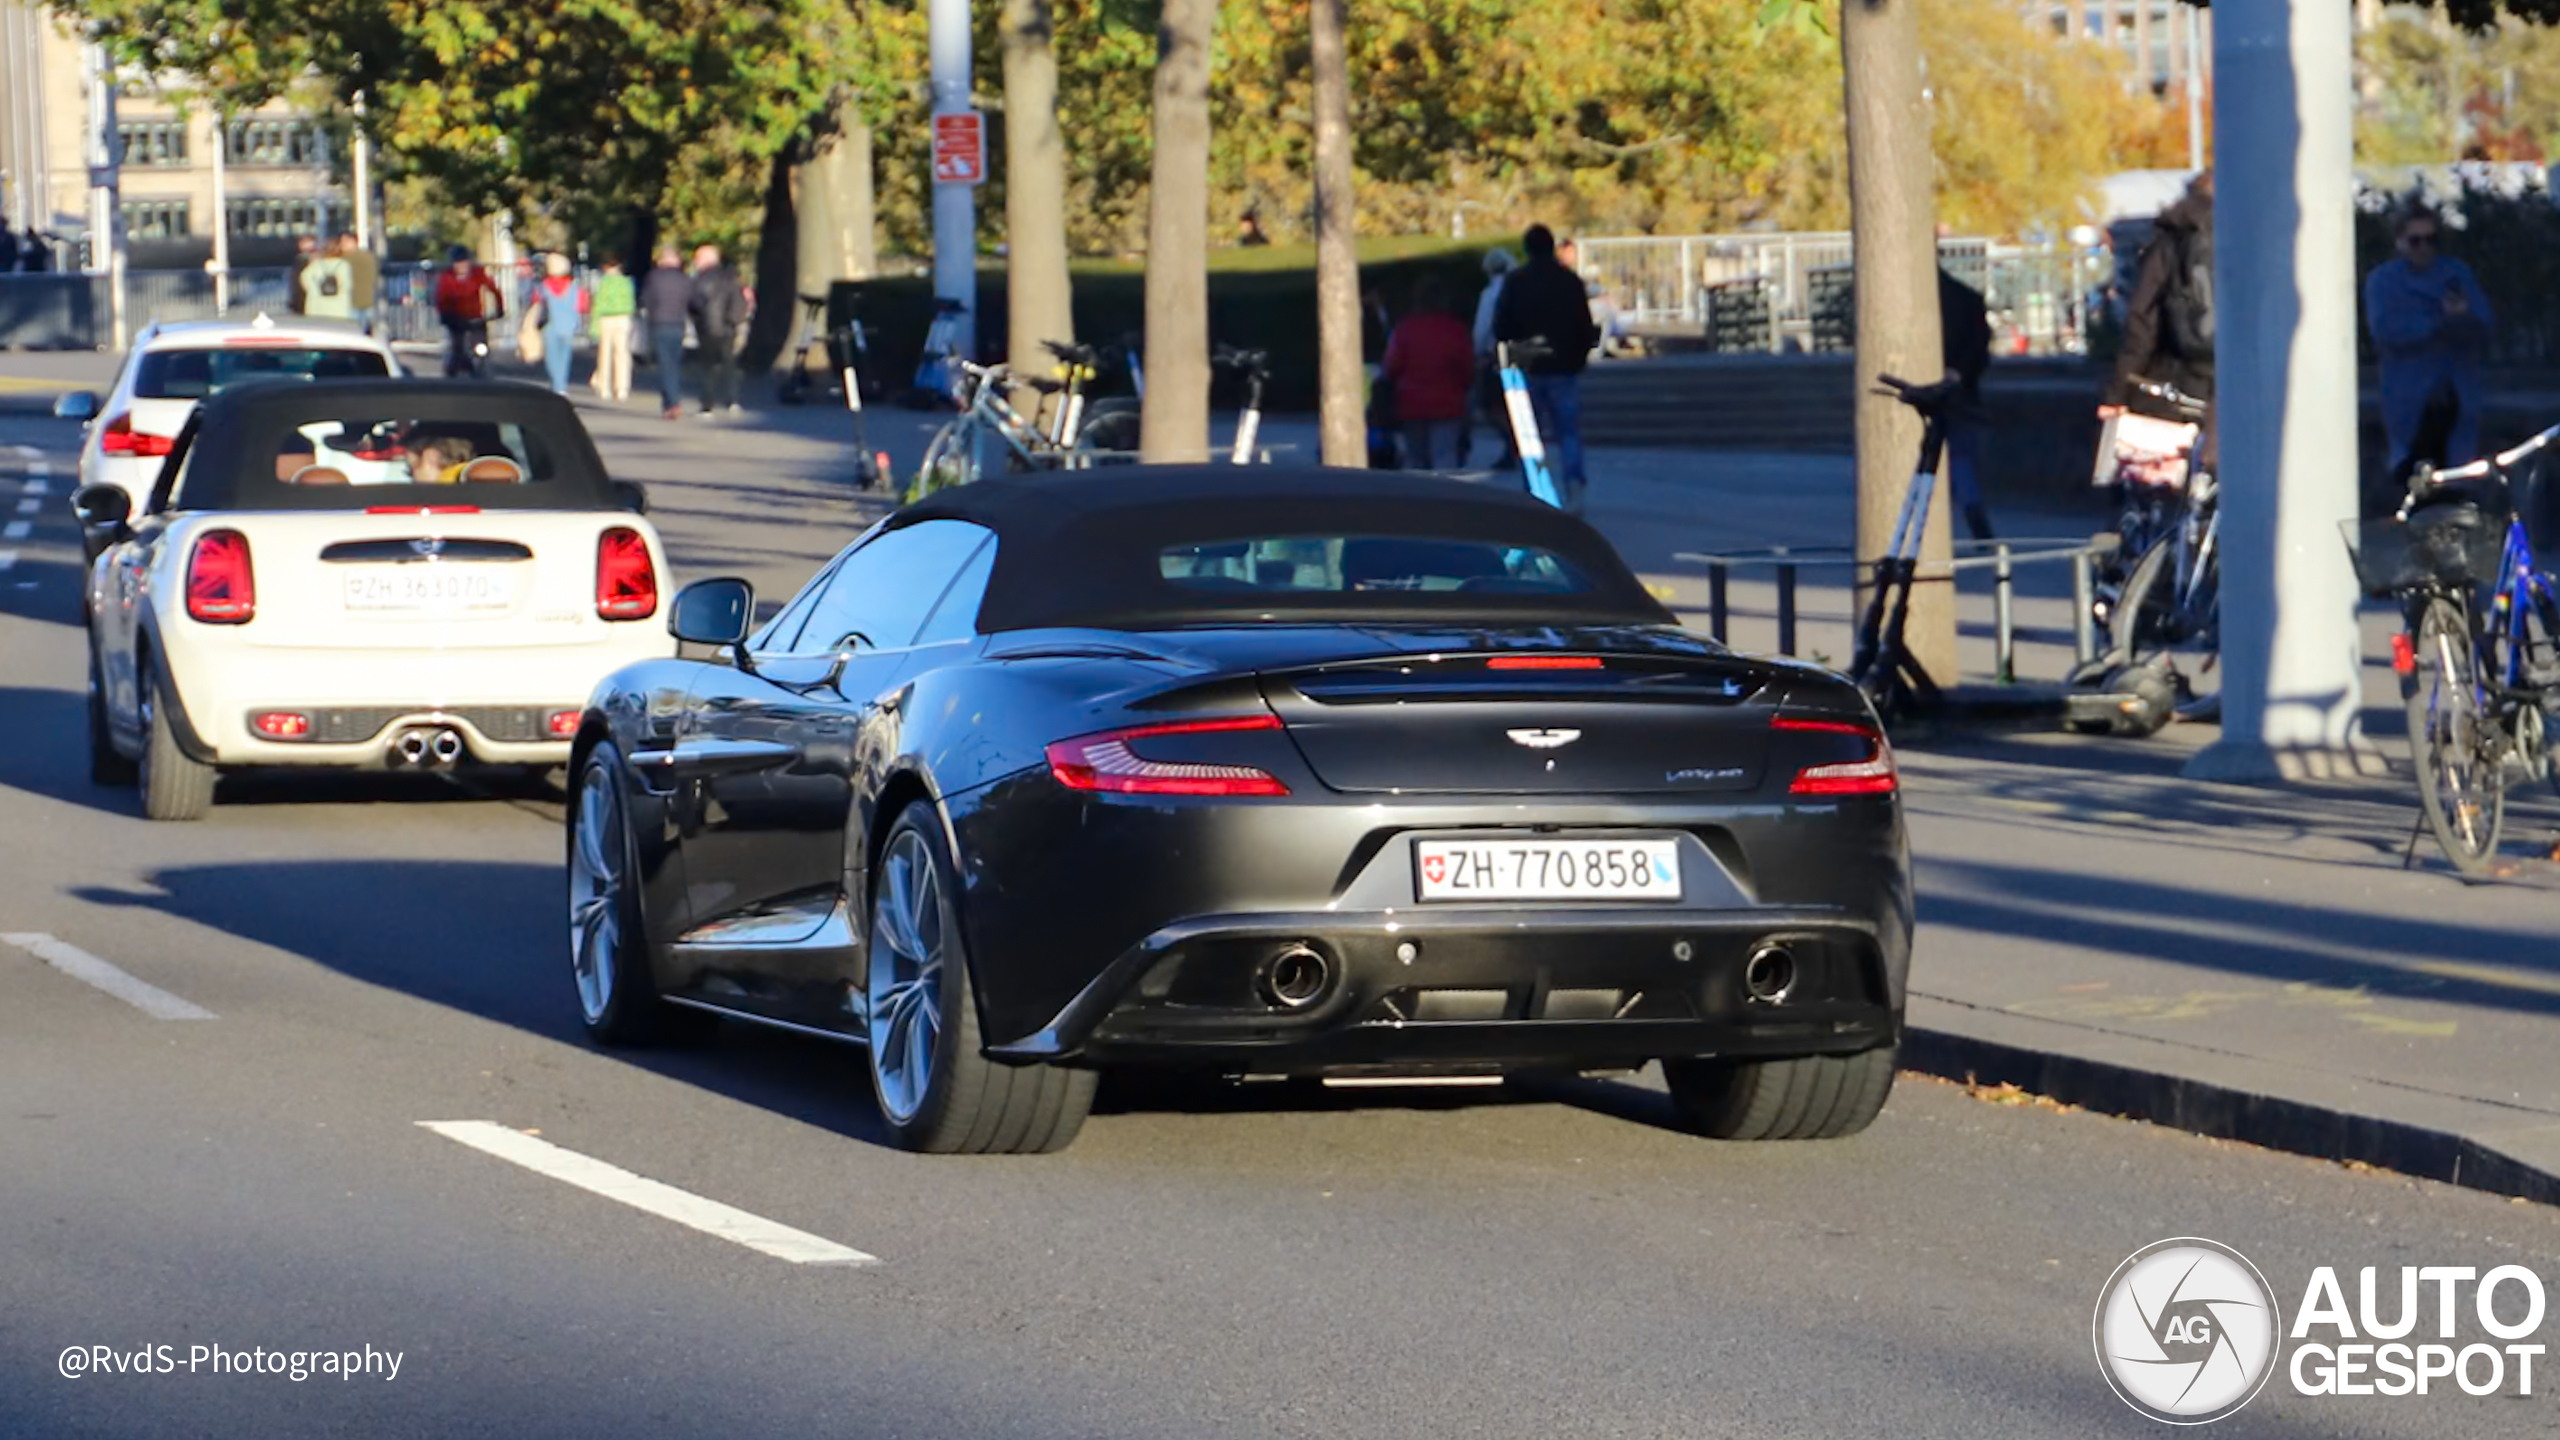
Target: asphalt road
(375,954)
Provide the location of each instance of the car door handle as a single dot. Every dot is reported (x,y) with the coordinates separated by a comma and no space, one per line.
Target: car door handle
(702,759)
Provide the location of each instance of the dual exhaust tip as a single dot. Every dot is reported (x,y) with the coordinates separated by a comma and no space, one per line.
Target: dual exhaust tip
(427,747)
(1298,977)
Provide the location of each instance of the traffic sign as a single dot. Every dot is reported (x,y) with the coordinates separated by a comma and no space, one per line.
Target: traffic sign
(960,148)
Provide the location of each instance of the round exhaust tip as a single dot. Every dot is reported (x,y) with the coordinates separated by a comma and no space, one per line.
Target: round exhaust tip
(446,747)
(411,747)
(1296,977)
(1769,976)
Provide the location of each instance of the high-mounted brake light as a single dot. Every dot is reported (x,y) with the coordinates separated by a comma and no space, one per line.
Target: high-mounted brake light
(1106,762)
(626,578)
(118,437)
(222,586)
(1543,662)
(422,509)
(1873,775)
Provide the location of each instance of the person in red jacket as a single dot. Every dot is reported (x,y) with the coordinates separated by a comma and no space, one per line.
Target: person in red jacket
(1431,363)
(466,301)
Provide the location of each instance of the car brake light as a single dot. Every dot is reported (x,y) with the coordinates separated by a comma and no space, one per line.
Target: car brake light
(626,578)
(118,437)
(1543,662)
(1105,762)
(422,509)
(1872,775)
(563,724)
(2404,655)
(222,587)
(281,724)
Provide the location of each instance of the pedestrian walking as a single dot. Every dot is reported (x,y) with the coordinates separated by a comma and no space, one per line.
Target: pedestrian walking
(1498,264)
(665,298)
(719,311)
(1544,301)
(2430,322)
(1964,330)
(2168,319)
(8,250)
(364,278)
(306,249)
(328,285)
(466,301)
(559,308)
(614,302)
(1430,365)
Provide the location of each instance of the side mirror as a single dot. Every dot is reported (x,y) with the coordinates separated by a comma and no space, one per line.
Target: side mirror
(80,405)
(713,612)
(634,496)
(102,507)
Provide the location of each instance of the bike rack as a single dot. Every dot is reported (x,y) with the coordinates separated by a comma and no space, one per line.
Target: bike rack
(2001,557)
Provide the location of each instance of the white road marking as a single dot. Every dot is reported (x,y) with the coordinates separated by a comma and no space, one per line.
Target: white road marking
(36,486)
(641,1193)
(80,965)
(8,558)
(16,529)
(28,452)
(37,469)
(30,505)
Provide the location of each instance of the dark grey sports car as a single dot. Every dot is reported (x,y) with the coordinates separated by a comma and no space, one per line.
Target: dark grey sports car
(1244,771)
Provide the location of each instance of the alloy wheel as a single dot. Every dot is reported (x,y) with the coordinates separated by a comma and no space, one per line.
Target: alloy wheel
(905,987)
(595,892)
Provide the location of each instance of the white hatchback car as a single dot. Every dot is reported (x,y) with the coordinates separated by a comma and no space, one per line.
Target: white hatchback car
(362,573)
(174,366)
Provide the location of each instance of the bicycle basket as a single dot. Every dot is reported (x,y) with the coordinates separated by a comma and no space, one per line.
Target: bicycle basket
(2449,545)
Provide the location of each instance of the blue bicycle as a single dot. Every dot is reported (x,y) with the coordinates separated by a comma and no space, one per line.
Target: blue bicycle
(2478,655)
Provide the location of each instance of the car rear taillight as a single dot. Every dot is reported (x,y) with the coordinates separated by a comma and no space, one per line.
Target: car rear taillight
(1543,662)
(563,724)
(1873,774)
(1107,762)
(626,578)
(118,437)
(281,725)
(222,588)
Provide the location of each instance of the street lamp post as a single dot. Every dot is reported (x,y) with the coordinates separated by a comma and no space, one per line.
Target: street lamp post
(955,204)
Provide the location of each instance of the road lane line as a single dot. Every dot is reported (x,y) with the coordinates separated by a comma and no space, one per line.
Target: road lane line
(80,965)
(30,505)
(8,558)
(640,1193)
(36,486)
(17,529)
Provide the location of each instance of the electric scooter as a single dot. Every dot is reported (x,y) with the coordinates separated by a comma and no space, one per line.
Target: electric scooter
(1514,356)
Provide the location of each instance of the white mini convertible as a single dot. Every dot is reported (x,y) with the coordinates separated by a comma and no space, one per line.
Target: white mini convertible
(361,574)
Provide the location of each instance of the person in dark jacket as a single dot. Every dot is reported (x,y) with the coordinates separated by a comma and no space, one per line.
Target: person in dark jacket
(1544,301)
(665,298)
(8,250)
(719,312)
(1964,337)
(2168,320)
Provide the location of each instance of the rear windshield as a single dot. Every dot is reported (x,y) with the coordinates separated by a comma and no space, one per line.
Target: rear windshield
(196,374)
(1290,566)
(365,450)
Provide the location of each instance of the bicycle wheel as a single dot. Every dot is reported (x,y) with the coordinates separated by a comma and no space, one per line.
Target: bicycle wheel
(951,459)
(2145,619)
(2453,739)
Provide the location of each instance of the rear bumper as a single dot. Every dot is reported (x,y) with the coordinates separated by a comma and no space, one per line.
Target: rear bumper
(1479,990)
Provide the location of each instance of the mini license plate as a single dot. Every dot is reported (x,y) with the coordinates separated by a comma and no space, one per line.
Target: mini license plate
(1530,869)
(431,587)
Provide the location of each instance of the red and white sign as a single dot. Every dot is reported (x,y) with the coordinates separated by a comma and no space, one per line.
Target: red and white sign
(960,148)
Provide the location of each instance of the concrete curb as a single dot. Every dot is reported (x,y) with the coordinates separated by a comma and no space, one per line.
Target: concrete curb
(2478,1161)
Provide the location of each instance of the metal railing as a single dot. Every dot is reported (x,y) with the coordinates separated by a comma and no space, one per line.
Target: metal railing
(2038,293)
(404,307)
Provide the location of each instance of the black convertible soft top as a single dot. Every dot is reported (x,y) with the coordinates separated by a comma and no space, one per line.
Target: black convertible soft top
(227,458)
(1083,548)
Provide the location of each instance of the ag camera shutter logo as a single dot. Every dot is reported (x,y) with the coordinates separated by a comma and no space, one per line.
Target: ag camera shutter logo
(2186,1330)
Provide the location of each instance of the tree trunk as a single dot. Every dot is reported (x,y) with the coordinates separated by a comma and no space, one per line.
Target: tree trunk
(777,271)
(1035,191)
(1894,254)
(1175,424)
(834,198)
(1337,250)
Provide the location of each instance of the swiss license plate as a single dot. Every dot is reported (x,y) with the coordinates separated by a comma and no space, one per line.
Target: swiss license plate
(1536,869)
(430,587)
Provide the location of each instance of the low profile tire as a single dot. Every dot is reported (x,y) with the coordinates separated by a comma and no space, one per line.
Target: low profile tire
(939,1094)
(107,764)
(1811,1097)
(175,785)
(608,934)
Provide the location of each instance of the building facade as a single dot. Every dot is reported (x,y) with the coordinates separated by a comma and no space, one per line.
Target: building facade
(279,173)
(2166,40)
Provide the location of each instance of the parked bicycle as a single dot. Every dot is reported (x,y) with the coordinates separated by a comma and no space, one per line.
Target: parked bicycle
(2161,597)
(2478,655)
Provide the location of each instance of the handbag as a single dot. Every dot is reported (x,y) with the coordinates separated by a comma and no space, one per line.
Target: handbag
(529,337)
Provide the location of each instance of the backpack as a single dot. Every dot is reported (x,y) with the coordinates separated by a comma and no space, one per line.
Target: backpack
(2187,301)
(329,284)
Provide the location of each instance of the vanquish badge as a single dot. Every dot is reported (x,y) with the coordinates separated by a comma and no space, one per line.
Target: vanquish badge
(2186,1330)
(1543,739)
